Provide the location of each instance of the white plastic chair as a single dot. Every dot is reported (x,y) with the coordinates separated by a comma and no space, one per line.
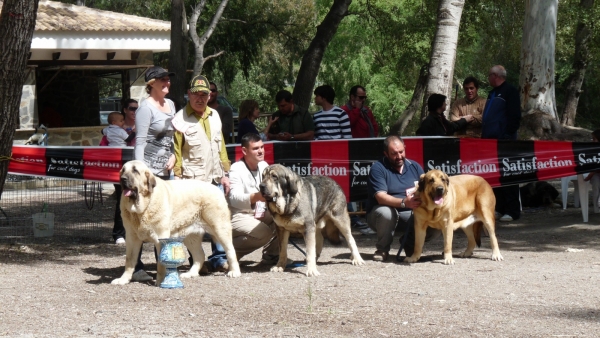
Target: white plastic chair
(580,194)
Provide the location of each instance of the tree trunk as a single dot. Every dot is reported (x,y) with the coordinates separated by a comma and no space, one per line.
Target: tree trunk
(580,62)
(443,52)
(178,53)
(200,42)
(536,79)
(17,22)
(414,105)
(311,61)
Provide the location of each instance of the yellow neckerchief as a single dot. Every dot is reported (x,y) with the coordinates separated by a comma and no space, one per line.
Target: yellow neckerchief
(203,119)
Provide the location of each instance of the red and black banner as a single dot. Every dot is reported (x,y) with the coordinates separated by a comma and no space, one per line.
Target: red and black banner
(86,163)
(348,161)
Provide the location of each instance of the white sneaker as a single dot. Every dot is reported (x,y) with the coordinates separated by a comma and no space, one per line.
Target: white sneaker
(497,214)
(141,276)
(367,231)
(120,241)
(506,218)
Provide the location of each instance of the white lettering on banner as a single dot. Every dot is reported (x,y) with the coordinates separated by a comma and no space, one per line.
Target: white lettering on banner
(461,168)
(102,164)
(27,159)
(533,164)
(360,171)
(66,161)
(326,170)
(583,160)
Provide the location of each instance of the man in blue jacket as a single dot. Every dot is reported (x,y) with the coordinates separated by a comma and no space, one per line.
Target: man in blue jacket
(501,119)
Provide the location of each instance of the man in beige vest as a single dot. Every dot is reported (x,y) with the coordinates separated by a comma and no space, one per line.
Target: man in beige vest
(471,104)
(200,152)
(199,145)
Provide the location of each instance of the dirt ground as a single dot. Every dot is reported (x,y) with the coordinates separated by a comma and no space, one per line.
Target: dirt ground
(546,286)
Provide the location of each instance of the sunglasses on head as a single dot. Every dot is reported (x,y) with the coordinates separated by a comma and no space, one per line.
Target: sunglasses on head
(132,108)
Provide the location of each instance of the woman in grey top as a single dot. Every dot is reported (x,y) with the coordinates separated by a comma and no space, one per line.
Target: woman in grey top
(154,140)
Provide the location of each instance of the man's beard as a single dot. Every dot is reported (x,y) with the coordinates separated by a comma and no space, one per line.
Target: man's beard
(398,163)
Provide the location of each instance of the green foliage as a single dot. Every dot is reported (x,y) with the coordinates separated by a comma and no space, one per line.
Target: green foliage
(380,44)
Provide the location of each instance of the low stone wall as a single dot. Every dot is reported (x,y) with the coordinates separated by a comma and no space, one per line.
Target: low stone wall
(74,136)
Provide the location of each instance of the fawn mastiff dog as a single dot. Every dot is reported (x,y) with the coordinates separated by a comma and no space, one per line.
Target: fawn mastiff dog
(449,203)
(306,205)
(152,208)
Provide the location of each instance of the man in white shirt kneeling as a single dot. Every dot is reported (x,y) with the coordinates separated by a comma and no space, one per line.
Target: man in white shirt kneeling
(252,224)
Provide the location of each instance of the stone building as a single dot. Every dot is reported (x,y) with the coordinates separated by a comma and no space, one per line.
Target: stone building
(72,48)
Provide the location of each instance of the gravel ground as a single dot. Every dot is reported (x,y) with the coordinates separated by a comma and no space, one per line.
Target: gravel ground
(546,286)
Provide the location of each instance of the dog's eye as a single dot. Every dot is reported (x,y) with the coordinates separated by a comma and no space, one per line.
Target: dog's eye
(135,170)
(274,176)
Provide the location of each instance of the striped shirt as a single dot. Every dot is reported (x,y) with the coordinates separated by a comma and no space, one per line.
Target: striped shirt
(332,124)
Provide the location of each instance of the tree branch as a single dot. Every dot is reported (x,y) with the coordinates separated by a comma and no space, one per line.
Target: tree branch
(194,22)
(215,21)
(214,55)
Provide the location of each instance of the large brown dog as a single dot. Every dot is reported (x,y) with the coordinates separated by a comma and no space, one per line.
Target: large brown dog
(306,205)
(152,208)
(463,201)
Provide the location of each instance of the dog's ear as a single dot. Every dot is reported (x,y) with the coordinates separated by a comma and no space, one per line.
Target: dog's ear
(421,183)
(292,182)
(151,181)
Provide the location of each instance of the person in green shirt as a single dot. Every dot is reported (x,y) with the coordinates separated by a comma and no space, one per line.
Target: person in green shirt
(294,123)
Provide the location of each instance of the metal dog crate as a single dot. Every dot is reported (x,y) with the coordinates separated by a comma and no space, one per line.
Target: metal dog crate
(79,207)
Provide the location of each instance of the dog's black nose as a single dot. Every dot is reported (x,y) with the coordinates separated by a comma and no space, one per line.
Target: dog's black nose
(439,190)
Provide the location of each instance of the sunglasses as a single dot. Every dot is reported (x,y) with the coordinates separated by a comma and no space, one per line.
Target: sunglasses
(213,90)
(132,108)
(362,97)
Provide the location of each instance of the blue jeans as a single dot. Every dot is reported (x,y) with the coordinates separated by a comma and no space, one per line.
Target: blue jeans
(218,258)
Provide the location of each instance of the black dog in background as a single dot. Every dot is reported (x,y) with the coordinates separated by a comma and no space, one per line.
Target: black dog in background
(538,194)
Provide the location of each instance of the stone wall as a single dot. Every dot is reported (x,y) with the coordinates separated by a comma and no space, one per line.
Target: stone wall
(28,116)
(80,136)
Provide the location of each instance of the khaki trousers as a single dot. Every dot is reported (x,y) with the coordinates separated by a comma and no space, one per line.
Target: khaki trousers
(250,234)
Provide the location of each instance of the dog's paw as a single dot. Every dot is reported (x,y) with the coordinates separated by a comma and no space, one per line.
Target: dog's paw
(358,261)
(188,275)
(466,254)
(277,268)
(120,281)
(234,274)
(411,259)
(449,261)
(497,257)
(312,273)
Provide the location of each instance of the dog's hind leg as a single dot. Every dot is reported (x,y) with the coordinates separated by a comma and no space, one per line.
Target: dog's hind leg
(343,224)
(223,235)
(283,236)
(319,240)
(310,239)
(496,256)
(193,242)
(471,242)
(133,246)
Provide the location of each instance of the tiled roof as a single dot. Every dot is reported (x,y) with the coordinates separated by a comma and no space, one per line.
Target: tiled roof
(57,16)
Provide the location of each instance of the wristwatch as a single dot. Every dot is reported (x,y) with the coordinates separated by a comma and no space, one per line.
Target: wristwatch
(402,205)
(292,137)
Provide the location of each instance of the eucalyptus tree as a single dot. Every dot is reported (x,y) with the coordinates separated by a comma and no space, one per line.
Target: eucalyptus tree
(17,23)
(536,81)
(583,35)
(443,51)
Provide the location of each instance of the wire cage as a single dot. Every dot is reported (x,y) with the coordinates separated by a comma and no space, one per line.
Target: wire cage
(78,207)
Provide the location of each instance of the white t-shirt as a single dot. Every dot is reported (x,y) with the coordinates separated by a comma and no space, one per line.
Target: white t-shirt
(116,136)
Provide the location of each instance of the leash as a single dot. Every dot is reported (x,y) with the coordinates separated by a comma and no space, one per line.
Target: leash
(403,242)
(297,247)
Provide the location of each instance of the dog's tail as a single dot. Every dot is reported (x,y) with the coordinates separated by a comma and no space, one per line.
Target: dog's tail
(477,228)
(332,233)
